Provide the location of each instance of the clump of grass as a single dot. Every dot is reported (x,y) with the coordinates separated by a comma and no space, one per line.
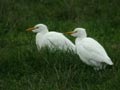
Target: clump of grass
(25,67)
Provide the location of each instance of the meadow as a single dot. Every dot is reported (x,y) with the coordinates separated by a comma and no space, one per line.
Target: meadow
(22,67)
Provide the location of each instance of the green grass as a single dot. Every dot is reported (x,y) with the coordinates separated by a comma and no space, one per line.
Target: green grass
(22,67)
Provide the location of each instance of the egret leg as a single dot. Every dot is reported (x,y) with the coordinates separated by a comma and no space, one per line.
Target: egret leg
(104,65)
(96,68)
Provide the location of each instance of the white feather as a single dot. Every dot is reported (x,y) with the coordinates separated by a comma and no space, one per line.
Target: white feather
(54,40)
(51,39)
(89,50)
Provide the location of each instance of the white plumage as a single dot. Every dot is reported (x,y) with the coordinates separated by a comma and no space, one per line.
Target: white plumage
(89,50)
(51,39)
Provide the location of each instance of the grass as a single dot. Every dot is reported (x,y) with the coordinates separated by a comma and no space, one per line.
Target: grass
(22,67)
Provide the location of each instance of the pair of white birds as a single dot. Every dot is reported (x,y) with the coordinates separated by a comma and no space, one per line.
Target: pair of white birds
(88,49)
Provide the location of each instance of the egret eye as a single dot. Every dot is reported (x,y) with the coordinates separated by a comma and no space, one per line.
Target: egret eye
(75,31)
(37,27)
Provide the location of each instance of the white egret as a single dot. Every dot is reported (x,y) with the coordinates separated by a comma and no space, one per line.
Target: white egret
(50,39)
(89,50)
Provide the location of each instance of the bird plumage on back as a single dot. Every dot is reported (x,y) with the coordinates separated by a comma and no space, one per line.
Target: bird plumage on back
(51,39)
(89,50)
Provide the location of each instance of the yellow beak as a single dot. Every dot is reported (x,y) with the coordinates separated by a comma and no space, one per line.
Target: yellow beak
(71,32)
(30,29)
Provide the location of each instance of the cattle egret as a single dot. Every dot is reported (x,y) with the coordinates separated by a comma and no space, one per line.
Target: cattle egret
(89,50)
(50,39)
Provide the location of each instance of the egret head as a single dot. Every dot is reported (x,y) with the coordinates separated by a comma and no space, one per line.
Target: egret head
(39,28)
(78,32)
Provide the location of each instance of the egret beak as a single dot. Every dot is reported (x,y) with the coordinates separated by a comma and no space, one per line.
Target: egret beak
(30,29)
(71,32)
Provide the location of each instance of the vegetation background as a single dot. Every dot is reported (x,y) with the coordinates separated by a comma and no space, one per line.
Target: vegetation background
(22,67)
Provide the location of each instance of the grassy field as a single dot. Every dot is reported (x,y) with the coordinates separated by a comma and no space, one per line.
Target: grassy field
(22,67)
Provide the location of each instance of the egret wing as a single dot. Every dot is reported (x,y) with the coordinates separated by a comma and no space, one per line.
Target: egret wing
(58,40)
(92,50)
